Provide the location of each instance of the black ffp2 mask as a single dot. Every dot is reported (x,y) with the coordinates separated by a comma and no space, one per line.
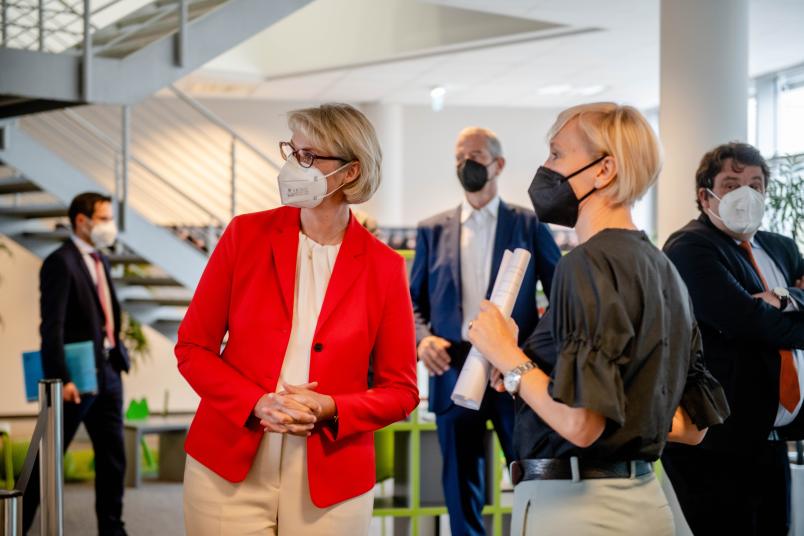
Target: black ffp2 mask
(473,175)
(553,198)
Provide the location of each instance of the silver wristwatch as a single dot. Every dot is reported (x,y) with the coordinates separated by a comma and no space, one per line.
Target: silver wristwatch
(513,378)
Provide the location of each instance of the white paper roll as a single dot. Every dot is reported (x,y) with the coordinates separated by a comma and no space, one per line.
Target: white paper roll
(474,376)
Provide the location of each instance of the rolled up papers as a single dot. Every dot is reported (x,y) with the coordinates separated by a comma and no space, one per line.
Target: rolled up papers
(474,376)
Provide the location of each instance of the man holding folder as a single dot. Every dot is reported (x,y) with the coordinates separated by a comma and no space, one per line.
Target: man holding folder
(78,303)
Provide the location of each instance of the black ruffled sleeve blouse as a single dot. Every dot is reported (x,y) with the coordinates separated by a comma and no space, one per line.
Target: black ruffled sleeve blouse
(619,338)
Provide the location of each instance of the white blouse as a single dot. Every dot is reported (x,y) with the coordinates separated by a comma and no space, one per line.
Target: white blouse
(314,264)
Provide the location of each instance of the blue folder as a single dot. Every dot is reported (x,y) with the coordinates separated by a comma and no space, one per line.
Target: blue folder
(80,358)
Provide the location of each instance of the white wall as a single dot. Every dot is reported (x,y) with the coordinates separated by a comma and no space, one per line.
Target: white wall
(426,151)
(428,145)
(19,308)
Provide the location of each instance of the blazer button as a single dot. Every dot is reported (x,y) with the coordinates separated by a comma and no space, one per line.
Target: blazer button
(318,347)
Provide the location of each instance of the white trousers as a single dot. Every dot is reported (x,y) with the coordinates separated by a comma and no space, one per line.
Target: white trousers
(273,499)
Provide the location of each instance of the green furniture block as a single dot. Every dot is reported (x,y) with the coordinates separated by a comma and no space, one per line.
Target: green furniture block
(8,460)
(384,454)
(416,458)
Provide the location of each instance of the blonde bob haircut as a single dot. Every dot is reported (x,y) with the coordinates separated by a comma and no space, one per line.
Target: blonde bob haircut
(623,133)
(342,130)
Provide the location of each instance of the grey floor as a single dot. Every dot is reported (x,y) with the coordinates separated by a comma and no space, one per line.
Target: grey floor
(153,509)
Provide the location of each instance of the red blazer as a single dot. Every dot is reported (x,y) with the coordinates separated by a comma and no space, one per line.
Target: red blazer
(247,289)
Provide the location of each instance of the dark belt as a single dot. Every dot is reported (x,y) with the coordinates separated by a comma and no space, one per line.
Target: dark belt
(561,469)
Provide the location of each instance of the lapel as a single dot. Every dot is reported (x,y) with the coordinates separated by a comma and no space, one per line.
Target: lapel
(452,244)
(502,237)
(284,248)
(749,274)
(776,252)
(349,265)
(78,258)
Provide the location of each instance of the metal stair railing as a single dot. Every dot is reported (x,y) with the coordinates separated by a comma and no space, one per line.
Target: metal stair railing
(187,168)
(65,27)
(47,444)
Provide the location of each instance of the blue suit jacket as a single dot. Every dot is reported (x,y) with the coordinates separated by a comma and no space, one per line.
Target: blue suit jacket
(435,280)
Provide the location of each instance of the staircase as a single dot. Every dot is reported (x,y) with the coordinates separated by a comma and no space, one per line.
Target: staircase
(69,52)
(177,173)
(166,233)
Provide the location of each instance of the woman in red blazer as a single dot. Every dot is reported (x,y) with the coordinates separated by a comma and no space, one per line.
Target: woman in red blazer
(283,436)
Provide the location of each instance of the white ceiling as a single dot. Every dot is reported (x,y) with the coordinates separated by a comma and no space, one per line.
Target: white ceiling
(614,57)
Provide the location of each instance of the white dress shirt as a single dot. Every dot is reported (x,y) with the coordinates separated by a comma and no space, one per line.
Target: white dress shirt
(773,275)
(478,228)
(86,253)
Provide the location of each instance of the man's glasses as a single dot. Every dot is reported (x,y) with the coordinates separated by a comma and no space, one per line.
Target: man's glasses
(304,157)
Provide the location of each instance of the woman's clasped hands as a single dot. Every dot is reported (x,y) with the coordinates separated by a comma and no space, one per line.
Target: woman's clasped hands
(294,410)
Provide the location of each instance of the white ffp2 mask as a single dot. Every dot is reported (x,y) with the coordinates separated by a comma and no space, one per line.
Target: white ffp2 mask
(103,234)
(741,210)
(303,187)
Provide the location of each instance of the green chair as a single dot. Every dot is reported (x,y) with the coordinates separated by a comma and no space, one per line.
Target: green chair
(138,410)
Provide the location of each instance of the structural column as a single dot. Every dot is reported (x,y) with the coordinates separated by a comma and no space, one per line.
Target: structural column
(386,205)
(703,95)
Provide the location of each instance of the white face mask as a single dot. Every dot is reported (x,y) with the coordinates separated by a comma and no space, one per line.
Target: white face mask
(103,234)
(741,210)
(304,187)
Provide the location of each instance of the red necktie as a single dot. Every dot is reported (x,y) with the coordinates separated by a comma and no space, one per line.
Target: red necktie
(102,294)
(789,389)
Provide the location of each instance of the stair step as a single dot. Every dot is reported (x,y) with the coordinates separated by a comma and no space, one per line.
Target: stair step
(17,185)
(57,235)
(144,281)
(140,38)
(160,301)
(127,258)
(142,16)
(29,212)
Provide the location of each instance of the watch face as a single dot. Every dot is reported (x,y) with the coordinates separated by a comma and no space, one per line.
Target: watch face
(510,382)
(782,292)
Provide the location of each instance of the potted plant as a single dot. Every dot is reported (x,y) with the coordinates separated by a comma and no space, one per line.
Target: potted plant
(785,196)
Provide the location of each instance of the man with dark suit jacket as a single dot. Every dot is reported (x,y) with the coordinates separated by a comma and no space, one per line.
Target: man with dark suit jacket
(78,303)
(458,254)
(746,287)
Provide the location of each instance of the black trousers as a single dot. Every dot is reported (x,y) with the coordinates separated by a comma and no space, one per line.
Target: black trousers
(102,415)
(728,493)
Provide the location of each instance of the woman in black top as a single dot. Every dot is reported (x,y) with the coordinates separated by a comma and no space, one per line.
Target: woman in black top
(614,370)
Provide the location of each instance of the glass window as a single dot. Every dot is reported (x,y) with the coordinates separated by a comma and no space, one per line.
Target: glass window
(790,119)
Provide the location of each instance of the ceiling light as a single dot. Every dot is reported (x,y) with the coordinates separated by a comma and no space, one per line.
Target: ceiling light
(559,89)
(437,98)
(588,91)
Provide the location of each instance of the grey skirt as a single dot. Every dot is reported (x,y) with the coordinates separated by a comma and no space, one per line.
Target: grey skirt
(604,506)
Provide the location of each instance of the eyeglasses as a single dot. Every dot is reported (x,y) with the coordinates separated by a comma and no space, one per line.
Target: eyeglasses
(304,157)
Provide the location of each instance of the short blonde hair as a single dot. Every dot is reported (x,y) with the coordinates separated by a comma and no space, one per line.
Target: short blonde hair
(492,142)
(342,130)
(623,133)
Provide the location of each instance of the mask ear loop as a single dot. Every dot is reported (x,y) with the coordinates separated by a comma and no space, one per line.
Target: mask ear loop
(334,172)
(709,210)
(587,166)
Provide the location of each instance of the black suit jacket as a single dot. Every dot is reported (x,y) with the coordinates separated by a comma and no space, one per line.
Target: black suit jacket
(741,334)
(71,312)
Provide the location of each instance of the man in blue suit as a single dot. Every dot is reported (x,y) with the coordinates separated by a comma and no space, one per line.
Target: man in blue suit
(458,254)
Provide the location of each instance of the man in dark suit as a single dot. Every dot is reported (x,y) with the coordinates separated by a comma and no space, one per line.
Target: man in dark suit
(78,303)
(458,254)
(746,288)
